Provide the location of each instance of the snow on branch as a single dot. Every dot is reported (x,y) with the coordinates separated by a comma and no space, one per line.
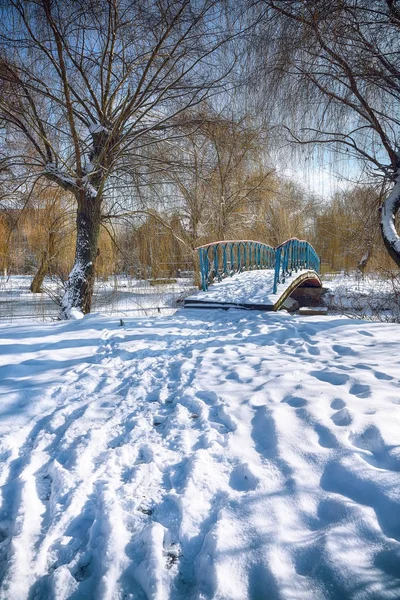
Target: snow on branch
(54,173)
(389,210)
(69,183)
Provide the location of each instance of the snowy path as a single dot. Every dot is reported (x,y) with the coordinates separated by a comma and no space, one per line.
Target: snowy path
(210,454)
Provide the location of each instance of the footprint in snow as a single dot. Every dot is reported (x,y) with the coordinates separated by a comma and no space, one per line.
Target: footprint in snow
(44,484)
(261,578)
(219,351)
(127,474)
(342,417)
(222,418)
(145,454)
(360,390)
(332,511)
(343,350)
(172,555)
(326,439)
(295,401)
(158,420)
(154,395)
(384,376)
(337,404)
(341,478)
(83,569)
(207,396)
(330,377)
(308,559)
(122,438)
(243,479)
(264,433)
(3,534)
(375,451)
(313,350)
(234,375)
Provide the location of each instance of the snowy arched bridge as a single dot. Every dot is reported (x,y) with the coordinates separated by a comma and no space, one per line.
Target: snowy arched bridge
(250,274)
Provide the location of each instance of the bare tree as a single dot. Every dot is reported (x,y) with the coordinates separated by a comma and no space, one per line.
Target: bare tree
(15,199)
(236,152)
(347,230)
(288,212)
(333,68)
(87,84)
(51,209)
(221,174)
(190,180)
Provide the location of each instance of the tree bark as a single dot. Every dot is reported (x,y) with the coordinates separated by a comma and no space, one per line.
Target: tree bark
(47,256)
(389,210)
(363,262)
(78,294)
(37,281)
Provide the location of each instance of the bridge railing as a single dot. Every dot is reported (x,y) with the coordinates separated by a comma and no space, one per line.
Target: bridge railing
(293,255)
(220,259)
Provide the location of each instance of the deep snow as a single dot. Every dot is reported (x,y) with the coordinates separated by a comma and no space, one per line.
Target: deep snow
(209,454)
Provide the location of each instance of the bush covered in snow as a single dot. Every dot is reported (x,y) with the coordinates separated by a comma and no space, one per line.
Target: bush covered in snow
(376,296)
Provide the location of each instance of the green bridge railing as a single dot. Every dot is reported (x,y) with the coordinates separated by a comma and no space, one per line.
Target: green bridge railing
(225,258)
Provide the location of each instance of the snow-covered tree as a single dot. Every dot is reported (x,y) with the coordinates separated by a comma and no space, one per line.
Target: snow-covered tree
(87,84)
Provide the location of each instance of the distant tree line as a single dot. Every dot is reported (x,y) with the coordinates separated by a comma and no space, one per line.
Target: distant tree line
(39,239)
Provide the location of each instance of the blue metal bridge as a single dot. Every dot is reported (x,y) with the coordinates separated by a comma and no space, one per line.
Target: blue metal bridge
(280,270)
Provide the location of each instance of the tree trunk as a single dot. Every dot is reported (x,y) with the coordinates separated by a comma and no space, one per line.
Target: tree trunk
(47,256)
(389,210)
(362,264)
(37,281)
(78,294)
(193,228)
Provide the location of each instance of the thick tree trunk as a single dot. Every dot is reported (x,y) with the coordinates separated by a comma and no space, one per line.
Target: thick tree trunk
(78,294)
(389,210)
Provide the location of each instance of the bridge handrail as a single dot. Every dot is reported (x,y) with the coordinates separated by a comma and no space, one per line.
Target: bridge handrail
(292,255)
(230,242)
(232,256)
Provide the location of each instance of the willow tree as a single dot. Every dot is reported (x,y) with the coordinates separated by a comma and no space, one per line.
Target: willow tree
(88,83)
(333,69)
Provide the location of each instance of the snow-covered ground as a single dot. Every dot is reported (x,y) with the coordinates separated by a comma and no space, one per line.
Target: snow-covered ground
(373,297)
(206,455)
(120,296)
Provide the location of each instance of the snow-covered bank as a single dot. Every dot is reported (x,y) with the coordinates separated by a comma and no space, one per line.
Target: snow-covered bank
(120,296)
(371,297)
(209,454)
